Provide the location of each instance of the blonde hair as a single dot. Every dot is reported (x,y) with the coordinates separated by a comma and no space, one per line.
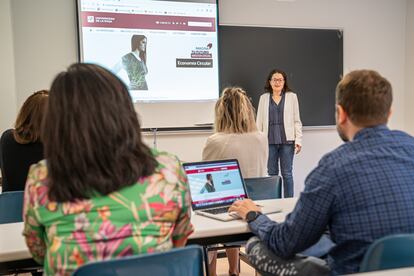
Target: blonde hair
(234,112)
(29,120)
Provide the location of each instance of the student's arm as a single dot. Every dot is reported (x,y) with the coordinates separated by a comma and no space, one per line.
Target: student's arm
(298,123)
(304,226)
(260,114)
(183,227)
(34,232)
(307,222)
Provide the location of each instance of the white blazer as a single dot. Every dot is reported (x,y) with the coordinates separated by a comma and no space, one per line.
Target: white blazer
(291,117)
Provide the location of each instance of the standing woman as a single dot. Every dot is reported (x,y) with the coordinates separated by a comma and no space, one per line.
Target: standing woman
(278,117)
(21,147)
(209,186)
(135,63)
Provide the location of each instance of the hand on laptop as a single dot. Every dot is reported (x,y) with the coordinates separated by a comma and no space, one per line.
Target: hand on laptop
(242,207)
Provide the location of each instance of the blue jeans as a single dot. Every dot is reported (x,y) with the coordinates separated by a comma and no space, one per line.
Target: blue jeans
(320,248)
(284,153)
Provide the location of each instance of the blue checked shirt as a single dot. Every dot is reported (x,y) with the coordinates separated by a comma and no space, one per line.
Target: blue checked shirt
(361,191)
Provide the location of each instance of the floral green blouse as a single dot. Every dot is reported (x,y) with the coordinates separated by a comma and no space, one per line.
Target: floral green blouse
(151,215)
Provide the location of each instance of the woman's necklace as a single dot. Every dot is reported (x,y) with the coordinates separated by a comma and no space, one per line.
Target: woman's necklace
(276,98)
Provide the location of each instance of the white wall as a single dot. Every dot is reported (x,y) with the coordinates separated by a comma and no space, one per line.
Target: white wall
(7,83)
(45,42)
(409,69)
(374,37)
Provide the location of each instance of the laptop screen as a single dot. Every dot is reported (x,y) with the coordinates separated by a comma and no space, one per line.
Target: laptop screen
(214,183)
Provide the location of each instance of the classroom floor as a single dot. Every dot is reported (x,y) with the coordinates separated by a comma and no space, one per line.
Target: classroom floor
(223,268)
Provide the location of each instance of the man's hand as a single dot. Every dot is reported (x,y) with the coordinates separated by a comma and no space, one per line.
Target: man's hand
(242,207)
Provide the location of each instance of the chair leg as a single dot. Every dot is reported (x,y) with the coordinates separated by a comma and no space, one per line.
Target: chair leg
(207,270)
(243,257)
(239,265)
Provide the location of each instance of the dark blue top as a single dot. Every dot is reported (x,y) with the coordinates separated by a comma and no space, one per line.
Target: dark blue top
(361,191)
(15,161)
(276,134)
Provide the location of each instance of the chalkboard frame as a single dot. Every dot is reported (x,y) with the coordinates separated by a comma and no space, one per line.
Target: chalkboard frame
(312,59)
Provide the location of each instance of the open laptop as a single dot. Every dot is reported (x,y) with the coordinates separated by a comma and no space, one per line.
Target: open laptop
(215,185)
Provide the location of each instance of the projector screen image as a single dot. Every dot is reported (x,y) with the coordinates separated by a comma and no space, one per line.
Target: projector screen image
(163,50)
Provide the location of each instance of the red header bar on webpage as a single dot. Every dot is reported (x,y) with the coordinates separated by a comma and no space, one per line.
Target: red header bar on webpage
(146,21)
(227,168)
(218,200)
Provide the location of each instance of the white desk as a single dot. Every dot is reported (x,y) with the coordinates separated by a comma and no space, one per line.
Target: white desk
(211,231)
(409,271)
(12,244)
(207,231)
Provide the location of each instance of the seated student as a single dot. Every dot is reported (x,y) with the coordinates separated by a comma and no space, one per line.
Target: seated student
(21,147)
(101,193)
(361,191)
(236,137)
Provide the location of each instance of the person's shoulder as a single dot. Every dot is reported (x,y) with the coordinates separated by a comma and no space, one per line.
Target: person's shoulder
(169,171)
(264,95)
(8,132)
(402,135)
(263,100)
(7,135)
(38,174)
(127,56)
(399,141)
(165,159)
(217,138)
(291,94)
(7,141)
(258,135)
(336,157)
(214,146)
(214,142)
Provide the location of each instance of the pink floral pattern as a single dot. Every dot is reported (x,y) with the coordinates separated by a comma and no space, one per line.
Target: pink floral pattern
(149,216)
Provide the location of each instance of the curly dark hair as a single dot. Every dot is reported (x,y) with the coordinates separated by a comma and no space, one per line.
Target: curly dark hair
(268,87)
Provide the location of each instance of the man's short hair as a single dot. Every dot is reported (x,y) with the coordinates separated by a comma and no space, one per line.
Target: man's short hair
(366,97)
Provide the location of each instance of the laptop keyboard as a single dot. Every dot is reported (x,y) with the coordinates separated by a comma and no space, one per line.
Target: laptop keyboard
(217,210)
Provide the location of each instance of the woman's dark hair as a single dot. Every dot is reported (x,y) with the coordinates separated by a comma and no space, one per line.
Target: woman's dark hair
(29,121)
(268,87)
(91,135)
(210,178)
(135,41)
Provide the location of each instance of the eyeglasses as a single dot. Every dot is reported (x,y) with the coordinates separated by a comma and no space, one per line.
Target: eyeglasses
(278,80)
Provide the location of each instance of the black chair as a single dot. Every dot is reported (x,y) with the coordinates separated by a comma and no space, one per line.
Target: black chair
(185,261)
(11,207)
(260,188)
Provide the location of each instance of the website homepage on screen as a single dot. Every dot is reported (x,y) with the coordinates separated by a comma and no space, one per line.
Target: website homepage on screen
(220,183)
(162,50)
